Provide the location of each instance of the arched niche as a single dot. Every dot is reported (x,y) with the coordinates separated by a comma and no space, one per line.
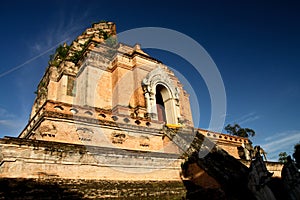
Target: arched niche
(162,97)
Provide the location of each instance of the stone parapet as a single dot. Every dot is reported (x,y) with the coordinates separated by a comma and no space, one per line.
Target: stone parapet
(228,142)
(223,138)
(274,167)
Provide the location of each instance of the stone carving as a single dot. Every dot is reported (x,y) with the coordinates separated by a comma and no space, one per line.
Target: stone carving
(47,130)
(84,130)
(248,152)
(118,137)
(258,178)
(137,113)
(261,151)
(291,179)
(144,141)
(84,134)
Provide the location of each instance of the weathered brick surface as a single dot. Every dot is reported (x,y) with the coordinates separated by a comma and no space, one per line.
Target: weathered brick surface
(37,159)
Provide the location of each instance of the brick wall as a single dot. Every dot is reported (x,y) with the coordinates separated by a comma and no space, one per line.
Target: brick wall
(23,158)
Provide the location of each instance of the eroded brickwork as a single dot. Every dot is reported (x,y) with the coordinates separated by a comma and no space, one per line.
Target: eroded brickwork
(24,158)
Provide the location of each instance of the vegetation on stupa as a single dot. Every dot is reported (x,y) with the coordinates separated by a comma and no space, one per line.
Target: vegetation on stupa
(74,52)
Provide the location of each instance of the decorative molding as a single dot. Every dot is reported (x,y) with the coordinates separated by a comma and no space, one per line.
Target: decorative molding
(159,76)
(118,137)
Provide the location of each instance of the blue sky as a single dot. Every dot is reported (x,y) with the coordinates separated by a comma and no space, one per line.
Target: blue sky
(255,45)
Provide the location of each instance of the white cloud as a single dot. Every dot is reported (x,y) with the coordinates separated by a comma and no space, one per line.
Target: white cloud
(37,47)
(273,137)
(11,124)
(5,114)
(245,118)
(249,119)
(66,29)
(29,61)
(280,142)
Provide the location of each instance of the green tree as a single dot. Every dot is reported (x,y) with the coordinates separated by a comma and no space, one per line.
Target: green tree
(239,131)
(282,157)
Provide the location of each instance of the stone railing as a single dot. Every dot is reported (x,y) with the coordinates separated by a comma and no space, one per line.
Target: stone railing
(223,137)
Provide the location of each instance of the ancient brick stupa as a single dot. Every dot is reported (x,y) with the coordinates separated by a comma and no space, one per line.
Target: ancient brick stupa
(105,110)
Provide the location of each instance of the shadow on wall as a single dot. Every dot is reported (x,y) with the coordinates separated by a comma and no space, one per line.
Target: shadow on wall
(36,189)
(11,188)
(226,175)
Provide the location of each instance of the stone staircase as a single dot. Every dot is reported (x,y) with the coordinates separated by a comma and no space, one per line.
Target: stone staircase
(189,141)
(229,172)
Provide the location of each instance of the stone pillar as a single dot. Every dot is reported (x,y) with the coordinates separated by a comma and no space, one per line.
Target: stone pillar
(148,104)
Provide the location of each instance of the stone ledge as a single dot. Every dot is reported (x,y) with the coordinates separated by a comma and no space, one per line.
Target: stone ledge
(82,149)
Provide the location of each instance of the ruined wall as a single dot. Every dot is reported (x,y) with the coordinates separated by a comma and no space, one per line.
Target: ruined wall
(37,159)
